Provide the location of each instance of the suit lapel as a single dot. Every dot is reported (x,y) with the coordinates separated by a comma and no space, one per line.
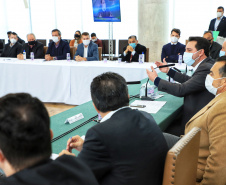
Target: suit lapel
(82,52)
(221,23)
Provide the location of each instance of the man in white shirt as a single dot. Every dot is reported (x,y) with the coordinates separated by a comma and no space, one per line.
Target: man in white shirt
(87,51)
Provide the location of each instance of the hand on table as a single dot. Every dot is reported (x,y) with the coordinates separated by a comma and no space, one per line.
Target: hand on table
(20,56)
(165,69)
(48,57)
(79,59)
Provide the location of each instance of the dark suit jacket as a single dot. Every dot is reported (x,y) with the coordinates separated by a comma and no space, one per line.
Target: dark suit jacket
(221,26)
(38,50)
(193,89)
(127,149)
(59,52)
(64,170)
(139,49)
(172,57)
(93,54)
(215,50)
(12,51)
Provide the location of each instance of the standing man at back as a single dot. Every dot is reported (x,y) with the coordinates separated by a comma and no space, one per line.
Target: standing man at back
(127,147)
(219,23)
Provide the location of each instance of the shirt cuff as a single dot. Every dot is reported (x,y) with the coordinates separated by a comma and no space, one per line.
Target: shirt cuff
(124,53)
(156,81)
(171,73)
(133,53)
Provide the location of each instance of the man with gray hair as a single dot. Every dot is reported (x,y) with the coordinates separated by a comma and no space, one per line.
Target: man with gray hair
(32,46)
(132,50)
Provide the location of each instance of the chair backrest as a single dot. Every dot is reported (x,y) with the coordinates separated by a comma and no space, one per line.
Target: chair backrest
(43,41)
(182,159)
(45,49)
(72,52)
(105,49)
(100,53)
(121,45)
(147,55)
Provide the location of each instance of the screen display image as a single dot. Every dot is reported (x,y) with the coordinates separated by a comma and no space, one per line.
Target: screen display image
(106,11)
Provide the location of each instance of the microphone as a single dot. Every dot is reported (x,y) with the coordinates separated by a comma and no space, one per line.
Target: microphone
(133,82)
(168,65)
(146,93)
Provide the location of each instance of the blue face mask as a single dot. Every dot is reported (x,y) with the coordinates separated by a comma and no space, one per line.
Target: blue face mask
(222,53)
(133,45)
(188,58)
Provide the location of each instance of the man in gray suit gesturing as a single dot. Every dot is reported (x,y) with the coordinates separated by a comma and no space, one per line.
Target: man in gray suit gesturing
(192,88)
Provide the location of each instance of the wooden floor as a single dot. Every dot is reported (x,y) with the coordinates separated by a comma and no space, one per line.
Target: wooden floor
(56,108)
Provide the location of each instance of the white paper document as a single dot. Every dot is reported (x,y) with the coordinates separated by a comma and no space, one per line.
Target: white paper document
(150,106)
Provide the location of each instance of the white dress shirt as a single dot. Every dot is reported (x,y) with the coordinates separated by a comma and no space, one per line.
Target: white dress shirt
(217,23)
(194,69)
(86,51)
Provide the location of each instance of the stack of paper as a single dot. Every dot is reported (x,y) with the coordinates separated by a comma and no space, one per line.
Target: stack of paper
(150,106)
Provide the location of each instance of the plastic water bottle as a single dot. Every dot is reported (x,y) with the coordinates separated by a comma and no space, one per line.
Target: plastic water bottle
(68,56)
(180,59)
(32,56)
(140,58)
(142,90)
(24,55)
(143,57)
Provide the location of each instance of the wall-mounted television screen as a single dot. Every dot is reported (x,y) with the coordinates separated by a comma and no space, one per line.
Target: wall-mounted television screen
(106,11)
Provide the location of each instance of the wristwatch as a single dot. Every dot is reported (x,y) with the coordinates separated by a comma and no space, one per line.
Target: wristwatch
(54,58)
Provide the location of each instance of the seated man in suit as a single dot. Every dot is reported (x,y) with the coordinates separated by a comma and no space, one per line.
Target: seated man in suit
(219,23)
(87,51)
(192,88)
(223,50)
(96,40)
(172,50)
(214,46)
(127,147)
(133,50)
(25,146)
(21,41)
(211,120)
(32,46)
(58,49)
(13,48)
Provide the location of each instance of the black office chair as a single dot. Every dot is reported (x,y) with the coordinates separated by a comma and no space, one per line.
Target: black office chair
(2,45)
(121,45)
(43,41)
(105,49)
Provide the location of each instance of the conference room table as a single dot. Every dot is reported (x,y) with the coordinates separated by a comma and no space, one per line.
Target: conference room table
(62,132)
(61,81)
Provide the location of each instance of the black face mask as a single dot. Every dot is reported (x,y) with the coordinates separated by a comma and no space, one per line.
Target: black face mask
(31,43)
(77,36)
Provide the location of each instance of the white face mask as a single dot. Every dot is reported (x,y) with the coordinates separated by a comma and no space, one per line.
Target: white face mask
(209,84)
(13,41)
(219,14)
(94,40)
(55,39)
(188,58)
(222,53)
(174,39)
(86,42)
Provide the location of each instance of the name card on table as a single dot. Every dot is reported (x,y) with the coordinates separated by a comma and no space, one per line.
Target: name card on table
(74,118)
